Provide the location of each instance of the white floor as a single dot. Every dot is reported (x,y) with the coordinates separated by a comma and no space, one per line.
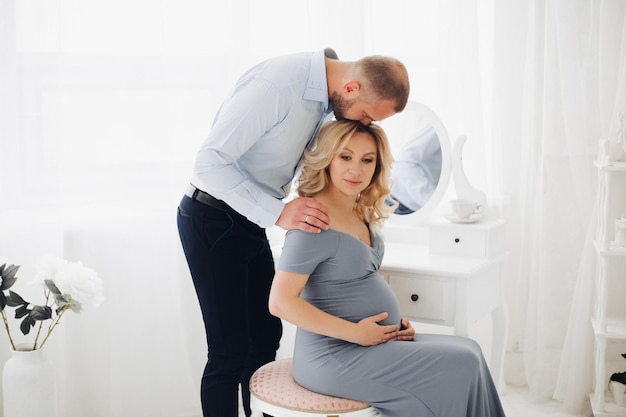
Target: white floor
(516,404)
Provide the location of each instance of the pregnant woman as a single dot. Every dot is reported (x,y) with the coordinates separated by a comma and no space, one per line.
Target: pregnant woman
(351,341)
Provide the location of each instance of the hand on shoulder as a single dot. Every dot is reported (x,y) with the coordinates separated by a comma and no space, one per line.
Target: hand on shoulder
(304,213)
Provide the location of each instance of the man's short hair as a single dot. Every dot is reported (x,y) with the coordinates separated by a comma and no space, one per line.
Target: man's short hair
(386,77)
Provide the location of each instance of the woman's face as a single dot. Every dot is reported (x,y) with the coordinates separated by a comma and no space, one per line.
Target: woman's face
(352,169)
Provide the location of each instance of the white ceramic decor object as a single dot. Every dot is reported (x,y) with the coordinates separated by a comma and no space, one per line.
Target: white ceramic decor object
(29,385)
(464,190)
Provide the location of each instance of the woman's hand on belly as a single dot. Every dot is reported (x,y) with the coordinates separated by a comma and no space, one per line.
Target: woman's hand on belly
(369,333)
(407,332)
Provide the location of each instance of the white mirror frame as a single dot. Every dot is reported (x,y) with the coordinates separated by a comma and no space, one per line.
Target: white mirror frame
(423,113)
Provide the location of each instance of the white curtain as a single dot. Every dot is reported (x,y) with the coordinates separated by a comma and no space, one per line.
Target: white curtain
(565,57)
(103,105)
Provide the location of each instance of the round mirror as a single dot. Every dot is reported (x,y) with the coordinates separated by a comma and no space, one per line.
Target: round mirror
(421,169)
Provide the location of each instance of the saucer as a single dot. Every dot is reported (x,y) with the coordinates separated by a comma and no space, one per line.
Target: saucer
(456,219)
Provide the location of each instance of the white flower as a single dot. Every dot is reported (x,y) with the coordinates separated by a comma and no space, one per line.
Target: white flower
(72,278)
(48,267)
(67,287)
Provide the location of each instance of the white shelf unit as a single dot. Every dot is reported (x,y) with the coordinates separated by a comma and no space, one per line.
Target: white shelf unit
(608,326)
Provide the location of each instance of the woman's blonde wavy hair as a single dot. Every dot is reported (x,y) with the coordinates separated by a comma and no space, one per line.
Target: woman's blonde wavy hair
(331,139)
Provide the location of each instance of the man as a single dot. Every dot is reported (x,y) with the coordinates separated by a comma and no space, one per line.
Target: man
(242,172)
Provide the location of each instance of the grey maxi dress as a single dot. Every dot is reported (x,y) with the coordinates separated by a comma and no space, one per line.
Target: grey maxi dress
(432,376)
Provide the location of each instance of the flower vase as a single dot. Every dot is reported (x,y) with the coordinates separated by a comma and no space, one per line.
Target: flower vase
(29,385)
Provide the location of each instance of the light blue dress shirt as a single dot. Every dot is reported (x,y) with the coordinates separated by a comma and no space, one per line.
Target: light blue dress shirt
(417,168)
(259,134)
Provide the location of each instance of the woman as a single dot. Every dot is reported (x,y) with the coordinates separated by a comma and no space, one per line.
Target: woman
(351,341)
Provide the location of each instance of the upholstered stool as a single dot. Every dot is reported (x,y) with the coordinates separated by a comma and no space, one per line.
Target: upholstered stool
(273,391)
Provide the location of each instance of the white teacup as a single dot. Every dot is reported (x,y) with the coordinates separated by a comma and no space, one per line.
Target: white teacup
(466,208)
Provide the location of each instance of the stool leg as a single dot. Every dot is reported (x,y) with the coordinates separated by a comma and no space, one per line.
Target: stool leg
(254,409)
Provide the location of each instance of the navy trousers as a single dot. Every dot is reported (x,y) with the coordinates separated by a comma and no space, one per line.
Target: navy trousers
(232,269)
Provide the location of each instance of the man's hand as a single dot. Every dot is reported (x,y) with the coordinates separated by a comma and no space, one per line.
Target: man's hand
(304,213)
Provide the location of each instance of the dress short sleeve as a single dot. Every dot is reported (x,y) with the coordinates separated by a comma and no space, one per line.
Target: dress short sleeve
(303,251)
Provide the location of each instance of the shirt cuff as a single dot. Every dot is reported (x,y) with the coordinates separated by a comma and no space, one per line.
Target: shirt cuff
(267,211)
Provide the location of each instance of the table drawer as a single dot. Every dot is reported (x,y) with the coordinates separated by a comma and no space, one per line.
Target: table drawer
(472,240)
(423,298)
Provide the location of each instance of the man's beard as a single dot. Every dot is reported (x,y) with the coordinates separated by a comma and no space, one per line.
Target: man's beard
(340,105)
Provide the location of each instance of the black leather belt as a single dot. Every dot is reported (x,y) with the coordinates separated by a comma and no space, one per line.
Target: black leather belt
(205,198)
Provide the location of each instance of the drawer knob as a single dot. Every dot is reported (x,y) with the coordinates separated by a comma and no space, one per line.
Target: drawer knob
(414,297)
(457,240)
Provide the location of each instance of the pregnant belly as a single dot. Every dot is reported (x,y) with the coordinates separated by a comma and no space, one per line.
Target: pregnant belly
(356,300)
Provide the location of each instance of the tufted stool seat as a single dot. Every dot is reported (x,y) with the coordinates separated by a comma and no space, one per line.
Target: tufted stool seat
(273,391)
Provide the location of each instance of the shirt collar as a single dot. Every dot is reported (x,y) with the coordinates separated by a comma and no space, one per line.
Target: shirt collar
(317,85)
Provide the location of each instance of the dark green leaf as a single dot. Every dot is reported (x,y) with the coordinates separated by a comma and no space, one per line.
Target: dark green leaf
(8,276)
(52,286)
(3,300)
(22,311)
(26,324)
(41,313)
(14,299)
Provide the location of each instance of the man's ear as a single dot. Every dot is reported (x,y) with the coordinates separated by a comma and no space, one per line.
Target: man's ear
(352,88)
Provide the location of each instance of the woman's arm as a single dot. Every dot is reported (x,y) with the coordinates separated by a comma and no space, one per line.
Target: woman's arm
(285,302)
